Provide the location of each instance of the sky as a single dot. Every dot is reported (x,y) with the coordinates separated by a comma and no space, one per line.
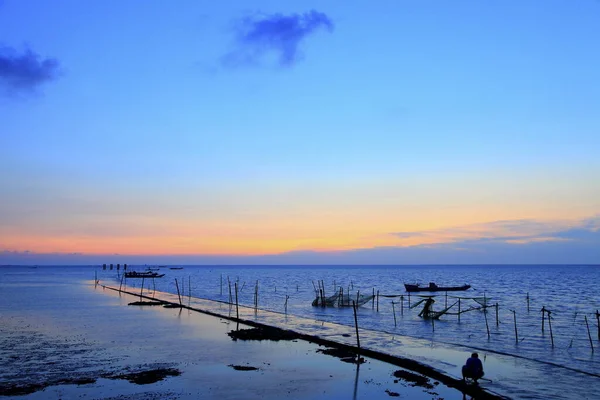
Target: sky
(300,132)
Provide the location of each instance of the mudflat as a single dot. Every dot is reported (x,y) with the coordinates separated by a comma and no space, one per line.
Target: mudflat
(78,340)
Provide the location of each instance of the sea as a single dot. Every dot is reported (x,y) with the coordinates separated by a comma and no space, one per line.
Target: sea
(528,353)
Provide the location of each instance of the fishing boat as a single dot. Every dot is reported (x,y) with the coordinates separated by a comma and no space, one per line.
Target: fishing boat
(432,287)
(148,274)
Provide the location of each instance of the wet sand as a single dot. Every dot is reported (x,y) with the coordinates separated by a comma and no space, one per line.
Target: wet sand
(79,341)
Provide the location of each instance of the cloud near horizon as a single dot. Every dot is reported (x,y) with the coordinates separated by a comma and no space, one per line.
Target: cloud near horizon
(574,243)
(509,231)
(26,71)
(278,34)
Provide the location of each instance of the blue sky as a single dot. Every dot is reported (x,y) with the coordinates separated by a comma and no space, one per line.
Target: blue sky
(237,131)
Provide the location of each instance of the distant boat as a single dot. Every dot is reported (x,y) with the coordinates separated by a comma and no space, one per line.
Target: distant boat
(432,287)
(148,274)
(176,268)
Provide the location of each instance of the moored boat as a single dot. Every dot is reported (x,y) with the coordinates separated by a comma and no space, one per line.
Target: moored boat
(148,274)
(432,287)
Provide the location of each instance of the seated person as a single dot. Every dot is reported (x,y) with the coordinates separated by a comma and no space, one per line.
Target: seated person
(473,369)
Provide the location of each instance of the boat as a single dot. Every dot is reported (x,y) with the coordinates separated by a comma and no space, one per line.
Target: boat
(176,268)
(432,287)
(148,274)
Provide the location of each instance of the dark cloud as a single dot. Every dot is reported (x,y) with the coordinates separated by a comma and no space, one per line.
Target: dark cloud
(26,71)
(277,34)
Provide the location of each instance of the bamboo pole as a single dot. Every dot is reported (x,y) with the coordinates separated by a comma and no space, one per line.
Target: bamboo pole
(378,301)
(95,278)
(237,307)
(221,284)
(409,299)
(528,304)
(446,300)
(230,296)
(459,309)
(142,288)
(589,334)
(550,325)
(497,319)
(543,316)
(356,326)
(177,285)
(286,302)
(598,323)
(487,327)
(373,302)
(516,332)
(394,312)
(401,304)
(121,284)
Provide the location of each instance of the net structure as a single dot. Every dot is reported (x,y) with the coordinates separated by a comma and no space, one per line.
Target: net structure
(342,300)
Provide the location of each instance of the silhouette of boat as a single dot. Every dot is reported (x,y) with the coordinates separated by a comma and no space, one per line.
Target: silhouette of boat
(148,274)
(432,287)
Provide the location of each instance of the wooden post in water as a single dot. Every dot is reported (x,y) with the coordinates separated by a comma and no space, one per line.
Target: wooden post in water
(142,288)
(256,297)
(409,299)
(516,332)
(550,325)
(446,302)
(221,285)
(459,309)
(373,303)
(543,316)
(378,301)
(237,307)
(230,296)
(356,326)
(153,287)
(401,304)
(357,296)
(178,294)
(95,278)
(528,305)
(394,312)
(589,334)
(497,319)
(598,323)
(286,301)
(487,327)
(121,284)
(433,324)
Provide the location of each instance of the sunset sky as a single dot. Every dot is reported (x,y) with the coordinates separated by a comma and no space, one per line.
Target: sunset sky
(317,132)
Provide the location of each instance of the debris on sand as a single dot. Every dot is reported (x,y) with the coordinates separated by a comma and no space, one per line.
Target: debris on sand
(274,334)
(146,303)
(243,367)
(146,377)
(416,380)
(173,305)
(28,388)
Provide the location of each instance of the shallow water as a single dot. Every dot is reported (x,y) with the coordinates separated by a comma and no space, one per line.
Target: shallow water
(568,291)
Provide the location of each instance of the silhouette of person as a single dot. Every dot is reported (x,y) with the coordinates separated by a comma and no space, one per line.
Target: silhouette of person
(473,368)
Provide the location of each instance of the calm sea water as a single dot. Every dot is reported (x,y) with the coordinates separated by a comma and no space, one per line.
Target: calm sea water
(570,292)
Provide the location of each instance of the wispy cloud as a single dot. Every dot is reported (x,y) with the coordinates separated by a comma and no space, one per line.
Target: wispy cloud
(275,34)
(24,72)
(509,231)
